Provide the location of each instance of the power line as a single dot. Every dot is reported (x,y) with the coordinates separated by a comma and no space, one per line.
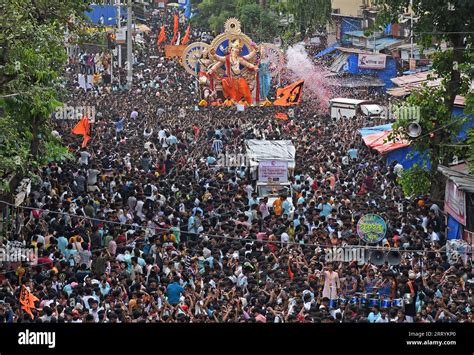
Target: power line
(215,236)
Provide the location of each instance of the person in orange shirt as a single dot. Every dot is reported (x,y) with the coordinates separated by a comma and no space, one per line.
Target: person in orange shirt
(277,206)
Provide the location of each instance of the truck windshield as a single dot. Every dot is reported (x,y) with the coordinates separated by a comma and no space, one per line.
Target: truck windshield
(273,191)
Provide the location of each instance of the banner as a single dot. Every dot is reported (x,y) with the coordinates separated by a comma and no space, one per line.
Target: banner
(121,36)
(273,171)
(281,116)
(372,61)
(371,228)
(174,51)
(455,202)
(289,95)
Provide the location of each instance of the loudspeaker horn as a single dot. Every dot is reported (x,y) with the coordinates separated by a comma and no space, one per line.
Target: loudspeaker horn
(377,257)
(414,130)
(394,257)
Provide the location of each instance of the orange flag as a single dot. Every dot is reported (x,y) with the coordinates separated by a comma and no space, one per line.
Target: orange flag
(27,300)
(162,36)
(281,116)
(289,95)
(83,128)
(290,273)
(185,39)
(175,29)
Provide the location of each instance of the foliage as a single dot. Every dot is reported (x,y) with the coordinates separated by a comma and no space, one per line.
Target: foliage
(31,63)
(415,181)
(309,14)
(261,17)
(438,21)
(258,23)
(14,149)
(470,158)
(212,14)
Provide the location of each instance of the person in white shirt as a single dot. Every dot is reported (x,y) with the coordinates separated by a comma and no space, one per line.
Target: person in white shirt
(398,169)
(383,318)
(85,156)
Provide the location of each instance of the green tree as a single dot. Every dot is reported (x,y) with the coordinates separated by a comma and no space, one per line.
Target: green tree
(415,181)
(438,21)
(212,14)
(470,159)
(258,23)
(32,60)
(309,14)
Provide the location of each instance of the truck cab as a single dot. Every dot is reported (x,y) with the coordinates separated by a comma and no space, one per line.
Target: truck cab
(274,191)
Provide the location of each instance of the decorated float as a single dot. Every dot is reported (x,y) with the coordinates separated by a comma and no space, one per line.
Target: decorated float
(233,69)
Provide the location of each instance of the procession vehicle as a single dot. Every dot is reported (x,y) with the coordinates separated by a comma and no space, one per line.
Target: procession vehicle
(344,108)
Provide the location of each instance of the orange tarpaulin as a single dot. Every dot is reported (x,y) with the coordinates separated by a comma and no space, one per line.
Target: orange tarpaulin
(185,39)
(380,142)
(161,36)
(289,95)
(27,300)
(83,128)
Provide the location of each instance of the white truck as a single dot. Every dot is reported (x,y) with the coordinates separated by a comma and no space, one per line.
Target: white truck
(342,108)
(271,164)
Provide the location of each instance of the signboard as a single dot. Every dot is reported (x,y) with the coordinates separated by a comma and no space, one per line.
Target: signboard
(455,202)
(273,171)
(372,61)
(371,228)
(121,36)
(174,51)
(412,64)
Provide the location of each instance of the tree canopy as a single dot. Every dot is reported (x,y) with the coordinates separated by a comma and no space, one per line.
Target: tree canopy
(32,60)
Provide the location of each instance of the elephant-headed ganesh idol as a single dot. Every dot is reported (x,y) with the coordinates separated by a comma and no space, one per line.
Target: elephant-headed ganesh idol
(235,84)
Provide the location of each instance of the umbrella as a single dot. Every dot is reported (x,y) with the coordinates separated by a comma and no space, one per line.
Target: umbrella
(173,4)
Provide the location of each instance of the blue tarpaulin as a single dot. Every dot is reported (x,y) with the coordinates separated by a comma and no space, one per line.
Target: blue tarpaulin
(328,50)
(454,228)
(105,14)
(408,157)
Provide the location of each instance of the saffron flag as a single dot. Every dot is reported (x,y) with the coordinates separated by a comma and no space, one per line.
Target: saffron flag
(175,29)
(83,128)
(161,36)
(27,300)
(289,95)
(185,39)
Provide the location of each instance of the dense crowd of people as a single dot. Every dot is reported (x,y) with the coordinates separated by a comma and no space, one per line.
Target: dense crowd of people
(145,225)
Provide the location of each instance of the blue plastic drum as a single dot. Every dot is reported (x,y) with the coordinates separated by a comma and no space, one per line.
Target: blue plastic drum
(374,302)
(355,300)
(343,301)
(397,302)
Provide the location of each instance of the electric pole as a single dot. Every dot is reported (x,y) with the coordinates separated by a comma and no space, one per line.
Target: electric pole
(129,46)
(119,26)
